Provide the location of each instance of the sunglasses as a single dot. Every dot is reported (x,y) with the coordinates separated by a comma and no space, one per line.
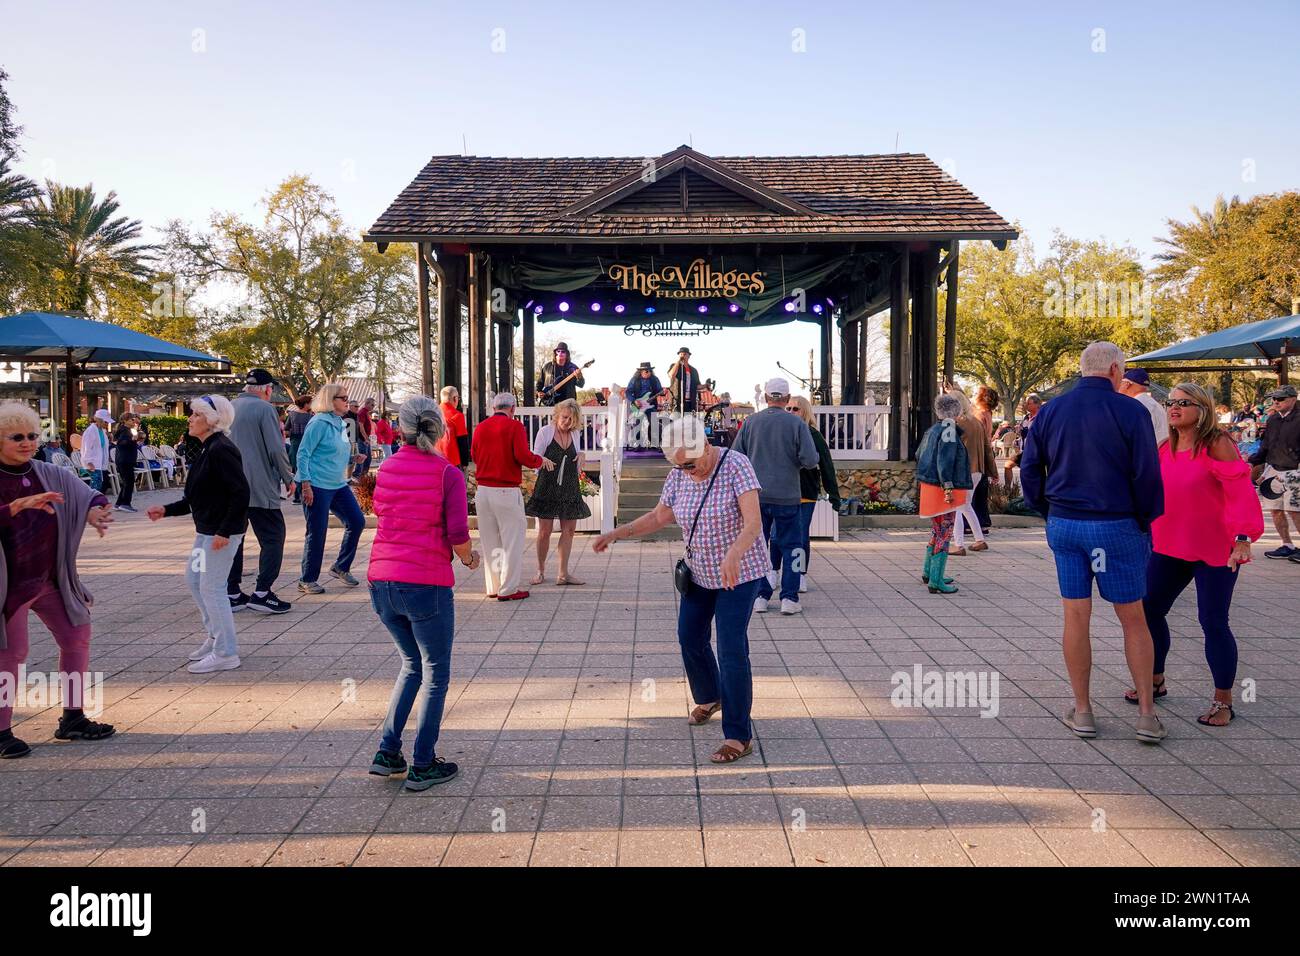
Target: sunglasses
(340,398)
(687,466)
(1180,403)
(30,436)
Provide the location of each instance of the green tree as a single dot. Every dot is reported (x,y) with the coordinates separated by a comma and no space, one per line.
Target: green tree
(314,302)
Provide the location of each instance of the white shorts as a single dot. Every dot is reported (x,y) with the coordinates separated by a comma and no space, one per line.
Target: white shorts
(1286,482)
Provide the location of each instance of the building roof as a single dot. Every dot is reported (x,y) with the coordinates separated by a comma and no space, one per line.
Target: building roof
(686,196)
(359,389)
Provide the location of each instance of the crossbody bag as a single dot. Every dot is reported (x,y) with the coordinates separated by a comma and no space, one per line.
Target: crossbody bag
(682,579)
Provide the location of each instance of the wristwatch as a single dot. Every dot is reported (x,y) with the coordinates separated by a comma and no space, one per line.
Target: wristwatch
(1243,538)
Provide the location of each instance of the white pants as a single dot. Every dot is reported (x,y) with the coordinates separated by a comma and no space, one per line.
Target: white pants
(502,528)
(967,511)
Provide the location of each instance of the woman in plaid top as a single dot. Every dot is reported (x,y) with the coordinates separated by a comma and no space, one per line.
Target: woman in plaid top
(727,558)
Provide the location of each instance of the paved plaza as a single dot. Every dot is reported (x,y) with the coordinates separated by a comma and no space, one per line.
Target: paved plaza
(567,717)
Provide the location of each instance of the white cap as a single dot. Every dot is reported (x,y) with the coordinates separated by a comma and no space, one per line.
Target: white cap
(776,386)
(104,416)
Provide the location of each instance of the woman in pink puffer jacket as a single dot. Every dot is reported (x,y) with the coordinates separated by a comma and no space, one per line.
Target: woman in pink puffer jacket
(422,510)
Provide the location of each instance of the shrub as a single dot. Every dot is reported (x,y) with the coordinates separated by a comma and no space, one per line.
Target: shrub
(166,429)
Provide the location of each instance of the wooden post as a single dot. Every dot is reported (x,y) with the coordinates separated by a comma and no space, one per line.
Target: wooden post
(925,342)
(863,371)
(828,356)
(900,358)
(529,361)
(850,380)
(450,279)
(477,403)
(427,383)
(70,401)
(950,314)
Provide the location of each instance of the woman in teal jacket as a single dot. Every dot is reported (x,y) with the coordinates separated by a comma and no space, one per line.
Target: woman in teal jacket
(943,472)
(323,460)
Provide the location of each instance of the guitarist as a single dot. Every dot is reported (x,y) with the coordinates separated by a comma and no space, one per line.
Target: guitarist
(556,370)
(643,392)
(684,381)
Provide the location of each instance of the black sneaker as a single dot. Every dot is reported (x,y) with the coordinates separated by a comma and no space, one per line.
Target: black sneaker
(422,778)
(11,748)
(387,765)
(1282,553)
(1295,557)
(238,601)
(269,604)
(82,727)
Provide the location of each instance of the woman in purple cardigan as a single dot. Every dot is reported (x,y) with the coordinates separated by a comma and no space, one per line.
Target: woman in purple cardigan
(43,512)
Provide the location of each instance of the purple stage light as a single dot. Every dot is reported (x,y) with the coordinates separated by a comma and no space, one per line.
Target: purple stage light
(817,307)
(733,308)
(595,307)
(702,309)
(564,307)
(620,308)
(789,306)
(537,310)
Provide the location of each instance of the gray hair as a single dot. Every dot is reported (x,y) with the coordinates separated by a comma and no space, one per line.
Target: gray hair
(257,389)
(216,409)
(420,420)
(1098,357)
(503,400)
(683,434)
(947,405)
(449,394)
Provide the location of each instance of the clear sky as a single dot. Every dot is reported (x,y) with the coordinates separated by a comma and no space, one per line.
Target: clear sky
(1052,123)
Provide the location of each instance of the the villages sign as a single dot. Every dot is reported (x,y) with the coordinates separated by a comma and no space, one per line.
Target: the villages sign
(699,280)
(671,327)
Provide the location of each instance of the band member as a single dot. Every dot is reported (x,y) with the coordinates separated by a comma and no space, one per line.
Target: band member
(643,392)
(684,382)
(556,370)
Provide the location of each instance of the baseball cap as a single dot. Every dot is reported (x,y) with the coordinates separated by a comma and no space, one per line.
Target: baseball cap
(104,415)
(1138,375)
(776,386)
(259,376)
(1286,391)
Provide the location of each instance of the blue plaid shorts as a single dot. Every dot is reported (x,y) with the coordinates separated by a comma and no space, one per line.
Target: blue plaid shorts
(1114,552)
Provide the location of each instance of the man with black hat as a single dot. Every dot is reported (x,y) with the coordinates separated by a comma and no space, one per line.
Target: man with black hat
(256,433)
(556,370)
(1278,458)
(1136,384)
(684,382)
(643,392)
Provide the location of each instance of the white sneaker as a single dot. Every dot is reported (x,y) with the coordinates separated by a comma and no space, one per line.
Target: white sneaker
(760,605)
(803,584)
(204,650)
(790,607)
(214,662)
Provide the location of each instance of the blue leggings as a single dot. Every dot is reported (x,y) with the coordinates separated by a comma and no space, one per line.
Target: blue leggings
(1167,578)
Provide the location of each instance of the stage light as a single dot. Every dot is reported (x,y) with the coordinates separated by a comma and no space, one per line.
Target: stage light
(649,310)
(620,308)
(789,306)
(817,307)
(595,307)
(702,309)
(537,310)
(528,304)
(830,302)
(564,307)
(733,308)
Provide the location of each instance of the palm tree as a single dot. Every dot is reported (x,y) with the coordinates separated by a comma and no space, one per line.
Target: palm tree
(16,192)
(91,254)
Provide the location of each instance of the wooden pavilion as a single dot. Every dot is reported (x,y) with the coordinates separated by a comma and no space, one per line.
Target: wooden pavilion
(685,240)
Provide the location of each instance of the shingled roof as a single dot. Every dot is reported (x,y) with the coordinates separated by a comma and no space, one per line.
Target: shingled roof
(686,197)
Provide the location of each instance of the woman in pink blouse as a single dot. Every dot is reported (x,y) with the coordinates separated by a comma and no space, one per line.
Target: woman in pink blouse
(1211,517)
(713,495)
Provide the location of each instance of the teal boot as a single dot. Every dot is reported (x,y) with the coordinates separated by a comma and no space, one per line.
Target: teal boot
(925,568)
(938,564)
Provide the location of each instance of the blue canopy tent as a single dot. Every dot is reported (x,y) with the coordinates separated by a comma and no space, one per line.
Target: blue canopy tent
(1273,340)
(74,342)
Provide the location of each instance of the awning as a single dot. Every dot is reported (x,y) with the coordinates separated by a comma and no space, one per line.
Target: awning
(1254,340)
(50,336)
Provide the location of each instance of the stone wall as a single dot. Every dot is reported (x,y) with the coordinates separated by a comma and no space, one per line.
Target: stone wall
(870,480)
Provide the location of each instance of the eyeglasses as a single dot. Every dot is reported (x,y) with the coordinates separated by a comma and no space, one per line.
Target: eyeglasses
(687,466)
(30,436)
(1180,402)
(340,398)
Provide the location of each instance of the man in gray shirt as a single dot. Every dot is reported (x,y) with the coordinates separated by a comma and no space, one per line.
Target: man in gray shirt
(778,444)
(256,433)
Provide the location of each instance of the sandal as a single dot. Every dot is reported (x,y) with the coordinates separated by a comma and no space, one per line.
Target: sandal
(701,714)
(83,728)
(729,754)
(568,581)
(1158,691)
(538,578)
(1217,708)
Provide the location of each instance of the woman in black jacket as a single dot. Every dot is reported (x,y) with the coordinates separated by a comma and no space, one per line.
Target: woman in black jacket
(216,494)
(812,481)
(125,455)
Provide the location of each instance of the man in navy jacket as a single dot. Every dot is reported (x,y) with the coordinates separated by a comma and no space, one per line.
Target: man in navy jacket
(1090,467)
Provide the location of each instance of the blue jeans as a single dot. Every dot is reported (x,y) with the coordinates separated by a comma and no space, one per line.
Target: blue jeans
(784,532)
(324,501)
(421,618)
(732,683)
(1167,578)
(363,448)
(206,575)
(805,523)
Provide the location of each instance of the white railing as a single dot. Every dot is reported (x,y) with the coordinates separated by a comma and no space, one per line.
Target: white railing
(855,431)
(602,442)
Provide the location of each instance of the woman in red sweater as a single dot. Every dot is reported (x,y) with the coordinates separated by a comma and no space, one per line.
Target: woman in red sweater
(420,503)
